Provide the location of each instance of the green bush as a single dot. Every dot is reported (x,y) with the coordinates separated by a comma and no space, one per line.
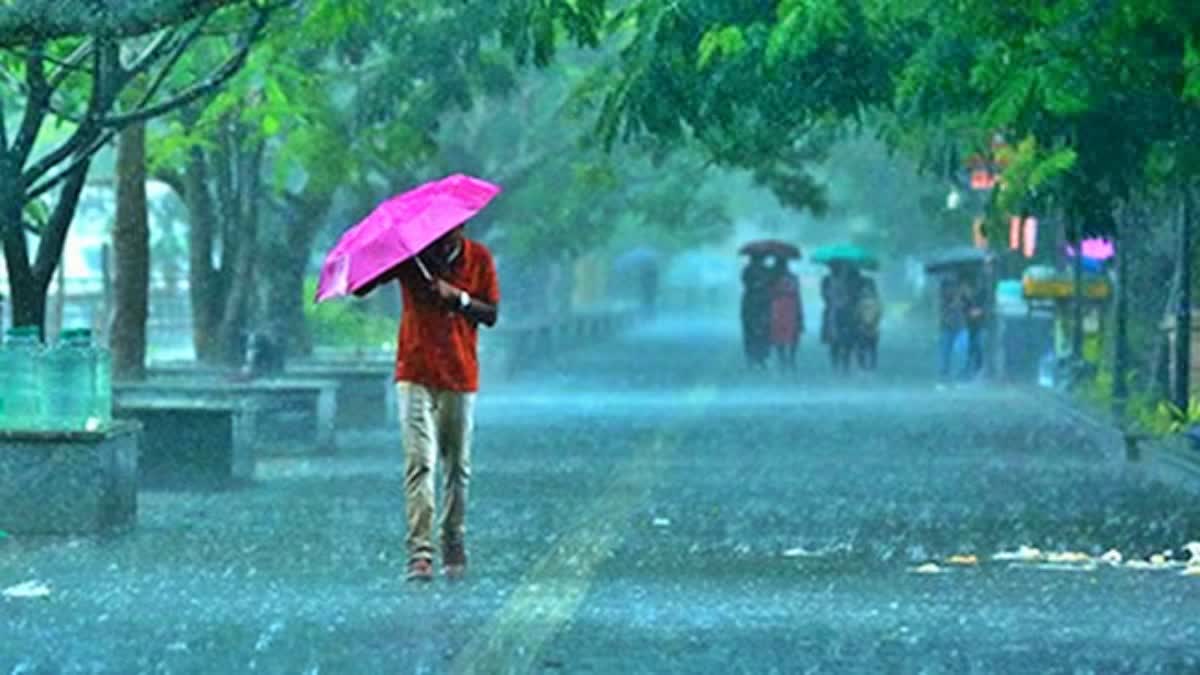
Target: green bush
(1166,418)
(347,323)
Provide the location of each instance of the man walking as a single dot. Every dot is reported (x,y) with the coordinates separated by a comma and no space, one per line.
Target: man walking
(448,291)
(953,322)
(756,311)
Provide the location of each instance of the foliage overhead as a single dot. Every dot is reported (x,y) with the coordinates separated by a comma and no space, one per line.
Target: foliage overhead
(29,22)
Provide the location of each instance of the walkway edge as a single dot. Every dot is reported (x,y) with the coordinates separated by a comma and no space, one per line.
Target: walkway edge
(1168,460)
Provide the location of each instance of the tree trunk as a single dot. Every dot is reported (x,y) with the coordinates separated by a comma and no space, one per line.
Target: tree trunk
(293,299)
(29,280)
(131,246)
(238,188)
(57,306)
(27,306)
(236,314)
(221,191)
(282,261)
(204,282)
(283,255)
(1158,385)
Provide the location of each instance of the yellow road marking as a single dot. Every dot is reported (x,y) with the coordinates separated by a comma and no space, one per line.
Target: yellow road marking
(551,592)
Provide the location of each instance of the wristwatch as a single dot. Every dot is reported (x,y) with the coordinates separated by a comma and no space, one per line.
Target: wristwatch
(464,300)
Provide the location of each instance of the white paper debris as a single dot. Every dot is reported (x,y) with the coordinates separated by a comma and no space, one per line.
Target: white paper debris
(1024,553)
(27,590)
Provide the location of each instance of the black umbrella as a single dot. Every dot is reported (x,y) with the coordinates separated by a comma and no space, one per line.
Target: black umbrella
(955,259)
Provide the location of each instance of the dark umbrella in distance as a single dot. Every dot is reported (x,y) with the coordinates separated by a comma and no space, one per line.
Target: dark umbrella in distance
(956,258)
(770,247)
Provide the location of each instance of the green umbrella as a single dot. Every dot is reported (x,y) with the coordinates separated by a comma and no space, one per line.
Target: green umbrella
(846,253)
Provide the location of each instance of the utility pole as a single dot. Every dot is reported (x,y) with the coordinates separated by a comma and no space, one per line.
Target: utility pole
(1077,310)
(1120,391)
(1183,311)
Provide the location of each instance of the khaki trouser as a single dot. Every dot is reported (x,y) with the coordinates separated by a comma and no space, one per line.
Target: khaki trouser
(435,423)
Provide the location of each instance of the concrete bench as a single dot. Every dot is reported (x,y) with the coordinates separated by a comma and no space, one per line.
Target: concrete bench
(366,395)
(69,483)
(289,415)
(296,415)
(190,441)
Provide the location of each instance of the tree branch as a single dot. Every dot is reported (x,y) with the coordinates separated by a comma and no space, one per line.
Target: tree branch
(54,235)
(82,158)
(24,22)
(173,179)
(87,130)
(35,106)
(214,81)
(153,52)
(176,53)
(66,67)
(142,113)
(162,44)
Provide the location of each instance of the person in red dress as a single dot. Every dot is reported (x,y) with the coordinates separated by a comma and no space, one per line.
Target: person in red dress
(787,313)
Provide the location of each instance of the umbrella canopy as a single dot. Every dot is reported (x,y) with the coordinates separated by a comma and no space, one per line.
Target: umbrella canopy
(399,229)
(955,258)
(770,247)
(846,253)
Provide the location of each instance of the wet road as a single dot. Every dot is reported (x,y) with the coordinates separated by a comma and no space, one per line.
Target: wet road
(649,507)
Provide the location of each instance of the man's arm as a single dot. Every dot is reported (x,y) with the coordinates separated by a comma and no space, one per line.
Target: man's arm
(474,309)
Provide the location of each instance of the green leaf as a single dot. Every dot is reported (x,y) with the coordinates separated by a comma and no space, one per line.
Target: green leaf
(725,42)
(783,36)
(1191,64)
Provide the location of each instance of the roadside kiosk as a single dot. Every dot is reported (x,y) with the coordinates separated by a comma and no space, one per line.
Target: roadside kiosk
(1052,292)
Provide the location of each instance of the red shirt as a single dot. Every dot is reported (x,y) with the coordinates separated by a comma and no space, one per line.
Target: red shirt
(437,345)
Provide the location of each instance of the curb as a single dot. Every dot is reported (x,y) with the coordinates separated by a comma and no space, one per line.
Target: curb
(1170,460)
(1099,427)
(1176,456)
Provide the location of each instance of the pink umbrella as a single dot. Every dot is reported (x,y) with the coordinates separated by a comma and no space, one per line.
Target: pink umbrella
(398,230)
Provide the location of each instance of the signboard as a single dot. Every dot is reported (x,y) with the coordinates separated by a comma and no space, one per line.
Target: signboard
(1022,235)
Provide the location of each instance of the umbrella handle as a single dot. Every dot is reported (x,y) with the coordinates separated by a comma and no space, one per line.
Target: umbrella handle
(424,270)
